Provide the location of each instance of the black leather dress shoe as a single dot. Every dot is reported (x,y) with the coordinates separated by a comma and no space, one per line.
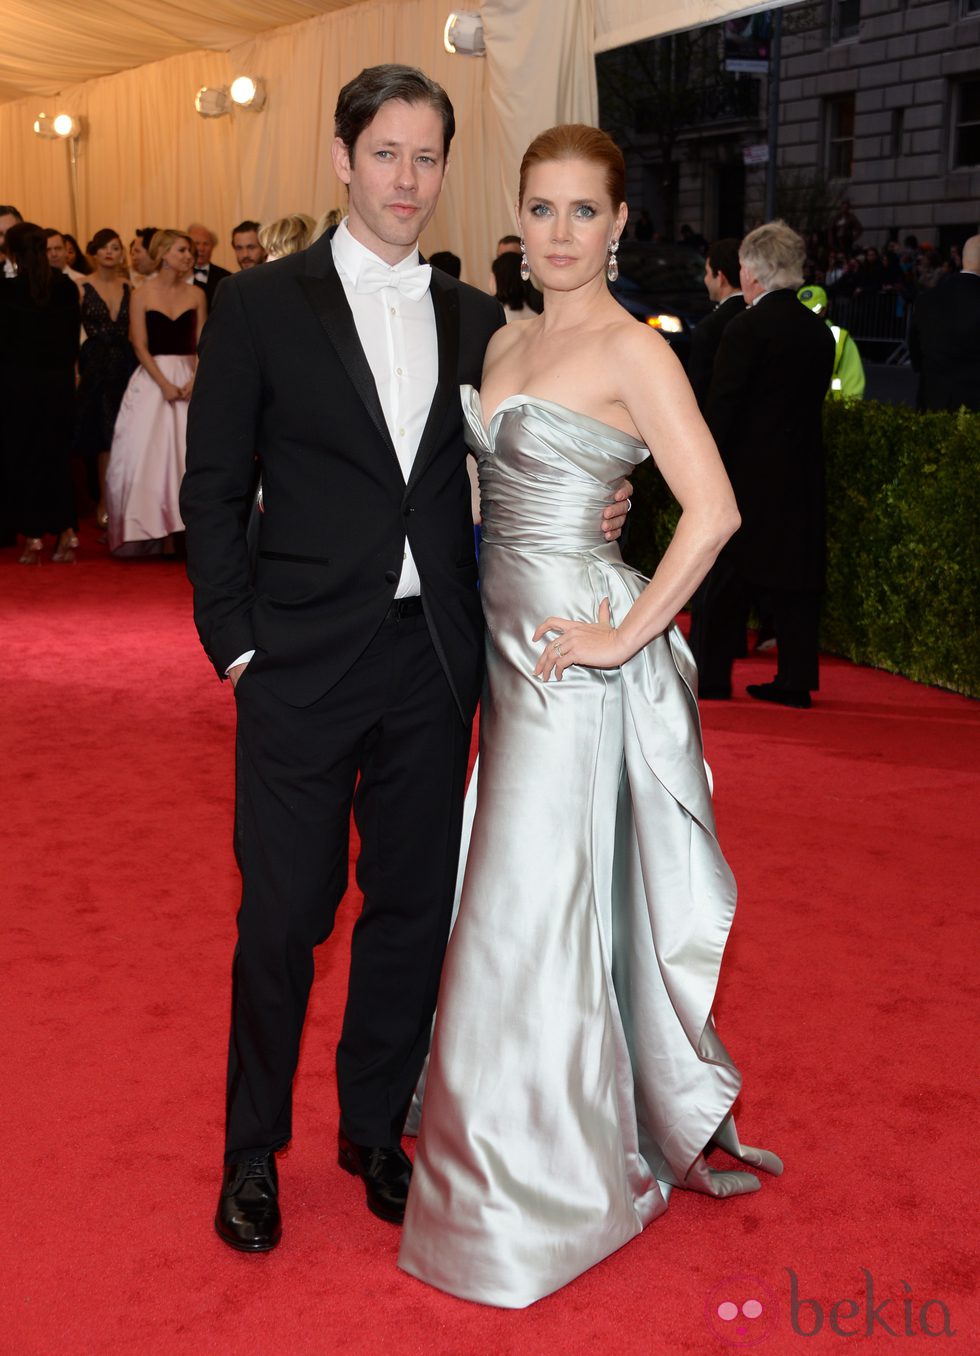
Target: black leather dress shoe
(782,696)
(386,1174)
(248,1208)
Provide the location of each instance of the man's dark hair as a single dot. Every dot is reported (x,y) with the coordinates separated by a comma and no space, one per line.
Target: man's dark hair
(447,261)
(145,234)
(508,240)
(244,227)
(10,212)
(50,232)
(361,98)
(723,258)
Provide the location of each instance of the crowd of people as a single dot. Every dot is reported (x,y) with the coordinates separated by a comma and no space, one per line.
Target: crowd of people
(99,353)
(841,260)
(98,356)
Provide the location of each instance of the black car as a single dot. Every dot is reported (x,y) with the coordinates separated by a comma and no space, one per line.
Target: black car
(663,285)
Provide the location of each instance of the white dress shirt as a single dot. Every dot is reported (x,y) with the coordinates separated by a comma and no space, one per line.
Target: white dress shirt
(398,336)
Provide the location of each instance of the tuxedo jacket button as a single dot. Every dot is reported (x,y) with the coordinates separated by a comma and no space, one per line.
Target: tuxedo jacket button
(391,577)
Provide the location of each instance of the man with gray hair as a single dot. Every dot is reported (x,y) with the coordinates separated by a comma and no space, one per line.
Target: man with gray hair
(206,275)
(764,406)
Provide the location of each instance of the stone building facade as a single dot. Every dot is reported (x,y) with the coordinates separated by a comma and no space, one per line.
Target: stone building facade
(882,97)
(879,104)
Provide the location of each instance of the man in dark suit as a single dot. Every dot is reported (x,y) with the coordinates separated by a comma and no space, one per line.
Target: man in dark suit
(944,342)
(356,648)
(721,279)
(764,407)
(207,276)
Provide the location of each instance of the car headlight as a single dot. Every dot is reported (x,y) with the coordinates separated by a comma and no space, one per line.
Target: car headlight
(670,324)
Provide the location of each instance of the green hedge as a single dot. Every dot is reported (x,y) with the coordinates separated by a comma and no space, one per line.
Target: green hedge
(903,539)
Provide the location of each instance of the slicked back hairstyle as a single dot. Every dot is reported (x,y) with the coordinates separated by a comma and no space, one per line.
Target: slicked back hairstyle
(576,141)
(361,99)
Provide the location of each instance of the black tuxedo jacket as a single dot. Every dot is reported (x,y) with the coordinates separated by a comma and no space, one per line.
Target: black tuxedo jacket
(944,344)
(771,374)
(704,345)
(283,382)
(216,274)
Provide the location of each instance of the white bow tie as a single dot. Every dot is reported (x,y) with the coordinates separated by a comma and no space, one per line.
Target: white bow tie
(410,282)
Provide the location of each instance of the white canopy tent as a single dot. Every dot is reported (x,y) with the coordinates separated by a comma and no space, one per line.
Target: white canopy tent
(130,69)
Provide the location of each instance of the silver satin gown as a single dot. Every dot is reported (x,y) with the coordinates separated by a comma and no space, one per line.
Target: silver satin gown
(575,1074)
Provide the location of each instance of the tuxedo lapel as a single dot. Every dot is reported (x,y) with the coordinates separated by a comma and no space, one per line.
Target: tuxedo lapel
(445,305)
(324,292)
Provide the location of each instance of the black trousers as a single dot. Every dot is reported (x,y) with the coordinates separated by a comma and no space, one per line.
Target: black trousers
(719,613)
(389,740)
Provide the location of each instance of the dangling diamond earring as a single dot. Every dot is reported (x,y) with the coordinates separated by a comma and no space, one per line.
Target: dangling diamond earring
(612,264)
(525,266)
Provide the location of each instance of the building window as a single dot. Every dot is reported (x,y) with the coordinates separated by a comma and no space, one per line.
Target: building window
(845,19)
(966,122)
(969,7)
(839,123)
(898,125)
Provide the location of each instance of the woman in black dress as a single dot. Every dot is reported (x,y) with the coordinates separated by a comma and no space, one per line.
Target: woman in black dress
(107,360)
(39,329)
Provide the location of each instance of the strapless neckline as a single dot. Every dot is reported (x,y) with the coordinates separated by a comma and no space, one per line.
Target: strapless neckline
(522,398)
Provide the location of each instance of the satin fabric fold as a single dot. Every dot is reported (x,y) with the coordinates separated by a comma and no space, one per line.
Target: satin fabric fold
(575,1075)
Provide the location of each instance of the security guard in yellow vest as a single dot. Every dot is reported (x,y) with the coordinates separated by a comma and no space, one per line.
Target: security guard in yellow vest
(848,377)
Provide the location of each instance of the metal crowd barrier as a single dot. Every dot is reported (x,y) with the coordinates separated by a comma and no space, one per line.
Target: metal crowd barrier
(879,324)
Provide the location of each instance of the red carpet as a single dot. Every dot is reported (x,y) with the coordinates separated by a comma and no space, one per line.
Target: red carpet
(847,1001)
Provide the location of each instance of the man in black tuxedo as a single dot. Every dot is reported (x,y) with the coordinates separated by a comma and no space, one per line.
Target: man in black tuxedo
(771,374)
(944,342)
(722,281)
(206,275)
(356,648)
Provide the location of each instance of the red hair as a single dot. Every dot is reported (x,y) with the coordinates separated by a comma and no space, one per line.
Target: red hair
(576,141)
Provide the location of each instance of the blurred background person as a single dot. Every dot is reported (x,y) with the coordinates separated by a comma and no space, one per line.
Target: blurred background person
(245,243)
(146,462)
(9,216)
(847,378)
(206,274)
(141,266)
(448,262)
(287,235)
(944,341)
(764,410)
(76,259)
(58,255)
(106,361)
(509,287)
(39,326)
(327,224)
(721,271)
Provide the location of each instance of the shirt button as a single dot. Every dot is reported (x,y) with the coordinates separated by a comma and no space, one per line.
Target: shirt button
(391,577)
(398,370)
(401,433)
(393,311)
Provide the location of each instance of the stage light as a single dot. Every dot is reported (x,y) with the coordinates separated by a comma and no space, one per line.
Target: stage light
(248,92)
(463,35)
(212,102)
(62,127)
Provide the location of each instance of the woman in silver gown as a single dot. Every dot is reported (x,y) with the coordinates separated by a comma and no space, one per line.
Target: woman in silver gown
(576,1075)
